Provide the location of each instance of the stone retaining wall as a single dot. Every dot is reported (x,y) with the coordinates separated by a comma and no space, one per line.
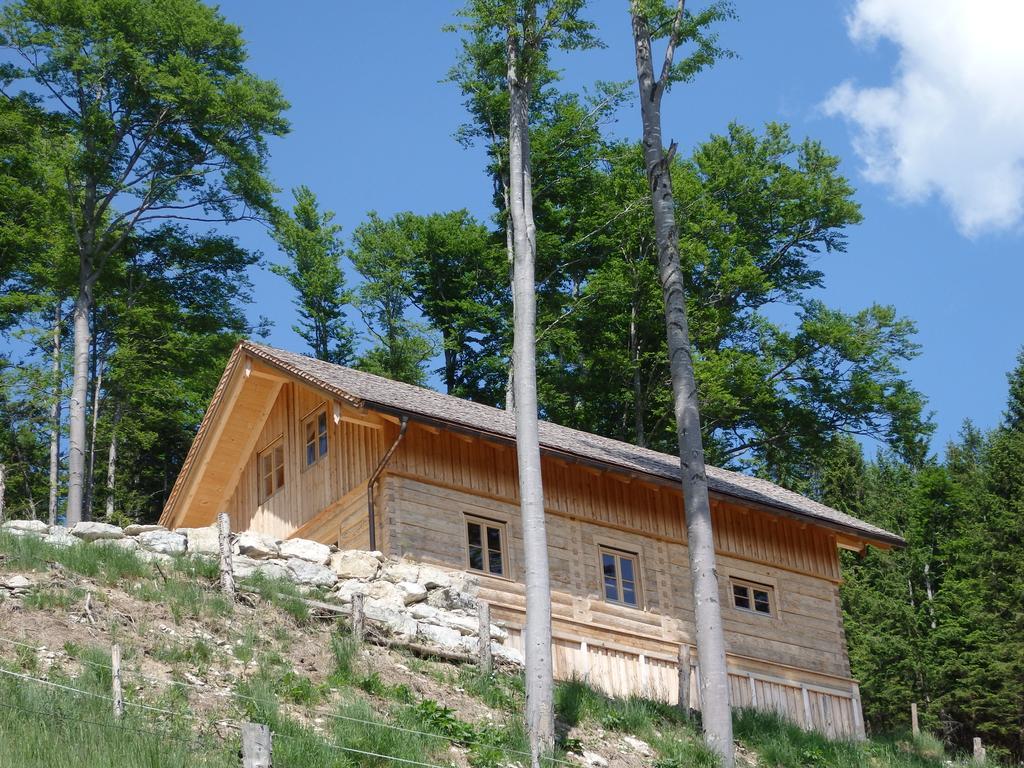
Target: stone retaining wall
(413,602)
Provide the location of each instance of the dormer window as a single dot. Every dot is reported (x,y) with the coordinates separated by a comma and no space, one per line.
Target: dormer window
(314,429)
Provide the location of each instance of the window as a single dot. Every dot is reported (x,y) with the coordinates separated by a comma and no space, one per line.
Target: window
(315,430)
(756,598)
(270,464)
(620,574)
(486,546)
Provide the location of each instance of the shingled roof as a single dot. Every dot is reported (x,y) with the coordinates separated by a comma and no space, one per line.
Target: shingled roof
(376,392)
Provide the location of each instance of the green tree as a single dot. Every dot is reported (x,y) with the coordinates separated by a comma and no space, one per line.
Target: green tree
(779,373)
(310,239)
(170,313)
(400,345)
(166,121)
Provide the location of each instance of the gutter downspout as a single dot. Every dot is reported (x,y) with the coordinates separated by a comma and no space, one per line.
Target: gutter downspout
(370,515)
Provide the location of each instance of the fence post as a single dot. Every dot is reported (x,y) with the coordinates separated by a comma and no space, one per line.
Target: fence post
(753,690)
(915,728)
(115,677)
(979,751)
(256,746)
(684,679)
(358,617)
(484,620)
(227,576)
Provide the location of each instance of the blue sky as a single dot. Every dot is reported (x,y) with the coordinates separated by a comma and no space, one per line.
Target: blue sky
(373,123)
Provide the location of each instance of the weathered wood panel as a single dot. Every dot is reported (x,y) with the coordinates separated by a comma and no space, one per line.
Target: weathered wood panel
(427,522)
(353,452)
(580,492)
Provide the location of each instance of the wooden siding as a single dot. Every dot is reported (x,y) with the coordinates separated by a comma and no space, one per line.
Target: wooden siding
(614,501)
(353,452)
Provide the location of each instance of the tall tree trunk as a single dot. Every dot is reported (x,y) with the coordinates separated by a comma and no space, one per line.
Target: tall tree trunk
(3,491)
(715,709)
(634,358)
(540,722)
(112,464)
(55,411)
(79,391)
(90,473)
(510,249)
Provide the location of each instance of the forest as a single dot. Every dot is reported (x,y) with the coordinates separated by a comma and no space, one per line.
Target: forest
(134,135)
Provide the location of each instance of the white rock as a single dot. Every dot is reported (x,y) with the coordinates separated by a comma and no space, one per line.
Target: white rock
(136,528)
(353,564)
(443,637)
(243,567)
(434,578)
(498,633)
(310,574)
(127,543)
(313,551)
(400,571)
(155,557)
(201,540)
(256,545)
(90,531)
(376,553)
(412,592)
(61,537)
(162,541)
(635,744)
(507,654)
(424,612)
(345,589)
(466,625)
(594,760)
(396,620)
(17,582)
(26,526)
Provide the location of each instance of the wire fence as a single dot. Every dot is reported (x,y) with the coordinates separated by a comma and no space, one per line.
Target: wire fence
(260,586)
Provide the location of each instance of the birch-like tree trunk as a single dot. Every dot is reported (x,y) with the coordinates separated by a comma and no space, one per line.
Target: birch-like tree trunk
(90,472)
(79,393)
(112,464)
(55,411)
(715,710)
(3,491)
(540,722)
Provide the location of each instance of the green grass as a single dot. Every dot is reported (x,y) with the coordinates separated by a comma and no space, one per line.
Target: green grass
(106,563)
(782,744)
(48,728)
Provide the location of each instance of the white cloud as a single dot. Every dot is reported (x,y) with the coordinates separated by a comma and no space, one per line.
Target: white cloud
(951,122)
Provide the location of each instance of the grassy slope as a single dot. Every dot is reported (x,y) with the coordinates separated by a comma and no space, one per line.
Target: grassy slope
(245,662)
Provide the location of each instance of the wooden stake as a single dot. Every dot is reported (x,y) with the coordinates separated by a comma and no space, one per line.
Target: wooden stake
(358,617)
(227,575)
(115,676)
(484,634)
(808,717)
(256,746)
(979,751)
(914,726)
(684,679)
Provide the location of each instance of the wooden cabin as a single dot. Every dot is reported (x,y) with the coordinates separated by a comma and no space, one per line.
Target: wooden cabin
(296,447)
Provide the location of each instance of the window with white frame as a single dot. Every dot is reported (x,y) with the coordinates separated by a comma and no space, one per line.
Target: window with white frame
(486,546)
(753,597)
(620,575)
